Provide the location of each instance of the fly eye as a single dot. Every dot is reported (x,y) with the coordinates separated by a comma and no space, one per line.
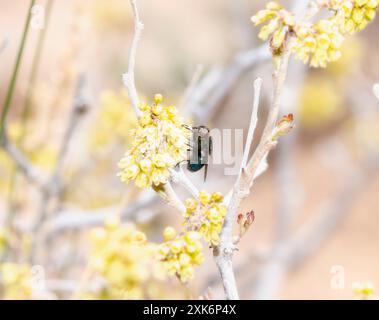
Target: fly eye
(203,130)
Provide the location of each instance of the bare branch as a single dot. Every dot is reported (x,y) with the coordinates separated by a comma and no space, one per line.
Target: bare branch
(172,198)
(79,108)
(217,83)
(128,78)
(79,219)
(253,122)
(31,173)
(192,86)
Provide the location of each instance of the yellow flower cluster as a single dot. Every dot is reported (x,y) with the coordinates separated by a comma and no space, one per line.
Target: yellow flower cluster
(318,44)
(206,216)
(114,121)
(124,258)
(160,142)
(314,43)
(15,281)
(353,15)
(181,253)
(364,290)
(280,21)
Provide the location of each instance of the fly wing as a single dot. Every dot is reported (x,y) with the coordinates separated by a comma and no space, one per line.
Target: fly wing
(205,171)
(210,145)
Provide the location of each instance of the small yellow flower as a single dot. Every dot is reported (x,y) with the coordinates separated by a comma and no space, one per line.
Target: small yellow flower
(138,237)
(191,205)
(145,165)
(160,176)
(217,197)
(180,255)
(157,110)
(204,198)
(130,172)
(169,233)
(158,98)
(184,260)
(142,180)
(192,237)
(177,246)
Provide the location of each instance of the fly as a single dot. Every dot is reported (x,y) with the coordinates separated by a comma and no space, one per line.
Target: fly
(200,149)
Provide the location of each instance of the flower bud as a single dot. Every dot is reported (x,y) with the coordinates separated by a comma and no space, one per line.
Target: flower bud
(284,126)
(204,198)
(138,236)
(145,165)
(191,205)
(250,216)
(169,233)
(158,98)
(217,197)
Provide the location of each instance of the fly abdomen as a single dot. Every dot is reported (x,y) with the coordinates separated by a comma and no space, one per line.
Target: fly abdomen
(193,167)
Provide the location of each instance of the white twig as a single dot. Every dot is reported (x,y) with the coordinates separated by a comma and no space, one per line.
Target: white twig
(181,178)
(253,122)
(192,86)
(128,78)
(78,219)
(172,198)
